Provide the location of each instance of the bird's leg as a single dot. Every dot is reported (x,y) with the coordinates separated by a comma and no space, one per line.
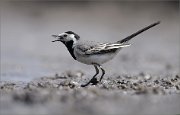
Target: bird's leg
(93,80)
(103,72)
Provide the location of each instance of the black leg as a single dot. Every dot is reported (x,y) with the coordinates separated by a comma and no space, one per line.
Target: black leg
(93,78)
(103,72)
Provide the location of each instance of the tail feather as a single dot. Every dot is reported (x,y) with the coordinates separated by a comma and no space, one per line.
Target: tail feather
(138,32)
(117,46)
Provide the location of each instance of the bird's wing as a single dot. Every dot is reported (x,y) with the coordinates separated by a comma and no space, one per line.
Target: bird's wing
(100,48)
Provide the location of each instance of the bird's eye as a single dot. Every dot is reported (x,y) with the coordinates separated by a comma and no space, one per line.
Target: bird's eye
(65,35)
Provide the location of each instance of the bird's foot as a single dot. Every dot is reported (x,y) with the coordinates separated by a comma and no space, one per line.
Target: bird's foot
(94,81)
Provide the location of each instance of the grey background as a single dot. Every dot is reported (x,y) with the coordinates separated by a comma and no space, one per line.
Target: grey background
(26,28)
(28,53)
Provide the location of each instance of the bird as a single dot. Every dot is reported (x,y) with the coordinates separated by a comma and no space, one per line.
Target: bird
(94,53)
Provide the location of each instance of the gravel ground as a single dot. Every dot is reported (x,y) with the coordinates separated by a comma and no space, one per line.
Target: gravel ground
(62,94)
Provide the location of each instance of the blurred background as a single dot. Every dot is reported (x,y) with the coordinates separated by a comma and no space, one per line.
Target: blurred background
(26,28)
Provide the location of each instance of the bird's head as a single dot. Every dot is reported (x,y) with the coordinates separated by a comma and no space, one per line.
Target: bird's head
(65,37)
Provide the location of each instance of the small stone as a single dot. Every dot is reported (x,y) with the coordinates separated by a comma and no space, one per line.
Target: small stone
(156,81)
(79,74)
(135,84)
(73,84)
(155,90)
(177,76)
(177,87)
(147,77)
(40,85)
(123,87)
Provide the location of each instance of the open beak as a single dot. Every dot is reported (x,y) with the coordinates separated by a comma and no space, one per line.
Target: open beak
(55,36)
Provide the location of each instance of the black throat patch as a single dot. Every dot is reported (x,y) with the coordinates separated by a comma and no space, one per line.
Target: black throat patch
(69,45)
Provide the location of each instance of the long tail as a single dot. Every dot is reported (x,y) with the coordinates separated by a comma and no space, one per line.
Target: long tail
(138,32)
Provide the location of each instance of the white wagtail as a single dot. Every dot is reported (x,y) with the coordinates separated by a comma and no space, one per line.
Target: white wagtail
(94,53)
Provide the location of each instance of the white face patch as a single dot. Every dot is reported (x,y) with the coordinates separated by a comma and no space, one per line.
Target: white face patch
(73,38)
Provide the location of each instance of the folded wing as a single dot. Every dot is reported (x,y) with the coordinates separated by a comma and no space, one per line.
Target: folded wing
(101,48)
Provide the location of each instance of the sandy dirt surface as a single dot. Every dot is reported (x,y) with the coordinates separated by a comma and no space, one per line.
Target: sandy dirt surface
(63,94)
